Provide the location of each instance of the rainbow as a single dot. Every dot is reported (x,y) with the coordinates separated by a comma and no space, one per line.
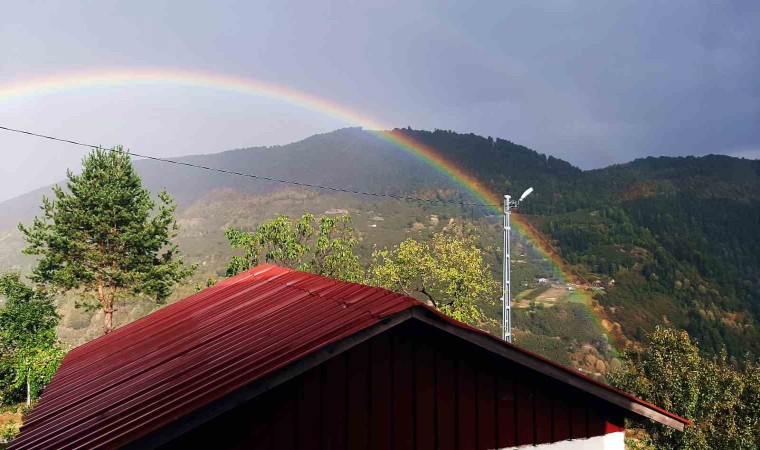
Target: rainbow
(124,77)
(247,86)
(181,77)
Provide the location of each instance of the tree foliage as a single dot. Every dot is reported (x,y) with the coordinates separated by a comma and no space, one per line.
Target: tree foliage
(29,348)
(323,246)
(448,272)
(723,401)
(105,237)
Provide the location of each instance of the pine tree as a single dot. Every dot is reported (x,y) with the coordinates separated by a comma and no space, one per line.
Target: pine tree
(105,238)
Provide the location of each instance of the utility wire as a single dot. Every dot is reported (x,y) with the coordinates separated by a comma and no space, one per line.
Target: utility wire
(295,183)
(249,175)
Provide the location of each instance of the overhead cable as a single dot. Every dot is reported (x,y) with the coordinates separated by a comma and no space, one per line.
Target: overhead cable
(249,175)
(291,182)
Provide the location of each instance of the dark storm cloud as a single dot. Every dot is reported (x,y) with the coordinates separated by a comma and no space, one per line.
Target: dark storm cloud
(631,80)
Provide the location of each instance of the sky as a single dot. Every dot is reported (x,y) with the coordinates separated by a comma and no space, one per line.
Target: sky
(592,82)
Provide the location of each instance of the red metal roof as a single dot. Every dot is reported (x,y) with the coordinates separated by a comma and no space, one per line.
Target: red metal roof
(145,375)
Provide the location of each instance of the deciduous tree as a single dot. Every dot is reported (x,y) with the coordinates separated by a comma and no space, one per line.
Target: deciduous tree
(323,246)
(448,272)
(722,400)
(29,348)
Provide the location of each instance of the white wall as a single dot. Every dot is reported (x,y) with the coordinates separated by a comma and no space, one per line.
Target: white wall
(611,441)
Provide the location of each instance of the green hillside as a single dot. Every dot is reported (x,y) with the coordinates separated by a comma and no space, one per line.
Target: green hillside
(678,235)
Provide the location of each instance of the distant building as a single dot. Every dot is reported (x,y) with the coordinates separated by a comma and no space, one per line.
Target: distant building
(336,211)
(543,281)
(279,359)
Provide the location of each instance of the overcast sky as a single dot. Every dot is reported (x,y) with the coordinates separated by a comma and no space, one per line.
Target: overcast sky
(594,83)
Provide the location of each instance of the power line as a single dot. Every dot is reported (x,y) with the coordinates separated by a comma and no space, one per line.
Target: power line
(249,175)
(291,182)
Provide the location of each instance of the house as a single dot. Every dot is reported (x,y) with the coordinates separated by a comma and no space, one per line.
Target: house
(279,359)
(543,281)
(596,285)
(336,211)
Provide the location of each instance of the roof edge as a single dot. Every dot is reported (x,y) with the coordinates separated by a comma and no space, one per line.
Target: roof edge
(554,370)
(431,317)
(260,386)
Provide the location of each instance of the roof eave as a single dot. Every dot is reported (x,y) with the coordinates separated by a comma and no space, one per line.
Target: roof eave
(553,370)
(262,385)
(429,317)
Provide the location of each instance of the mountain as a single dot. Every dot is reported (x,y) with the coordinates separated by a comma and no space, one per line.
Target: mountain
(349,158)
(682,233)
(677,235)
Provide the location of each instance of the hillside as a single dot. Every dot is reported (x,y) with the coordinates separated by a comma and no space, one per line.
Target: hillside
(678,235)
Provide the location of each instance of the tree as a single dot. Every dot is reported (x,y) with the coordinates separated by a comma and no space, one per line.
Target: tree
(29,348)
(448,272)
(723,401)
(105,237)
(324,247)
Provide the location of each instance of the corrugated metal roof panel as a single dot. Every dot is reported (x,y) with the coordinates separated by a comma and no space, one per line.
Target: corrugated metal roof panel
(142,376)
(145,375)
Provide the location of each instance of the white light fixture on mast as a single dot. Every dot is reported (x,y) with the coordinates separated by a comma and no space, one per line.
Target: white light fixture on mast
(525,194)
(506,299)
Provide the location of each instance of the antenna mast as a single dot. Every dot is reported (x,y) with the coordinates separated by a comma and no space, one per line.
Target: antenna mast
(506,299)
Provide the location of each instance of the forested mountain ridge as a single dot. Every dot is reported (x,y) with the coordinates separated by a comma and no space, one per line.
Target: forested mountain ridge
(678,235)
(697,221)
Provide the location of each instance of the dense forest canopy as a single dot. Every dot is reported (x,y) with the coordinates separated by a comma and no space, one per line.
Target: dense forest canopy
(678,234)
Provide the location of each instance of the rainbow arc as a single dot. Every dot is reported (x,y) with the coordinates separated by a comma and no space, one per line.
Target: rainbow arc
(181,77)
